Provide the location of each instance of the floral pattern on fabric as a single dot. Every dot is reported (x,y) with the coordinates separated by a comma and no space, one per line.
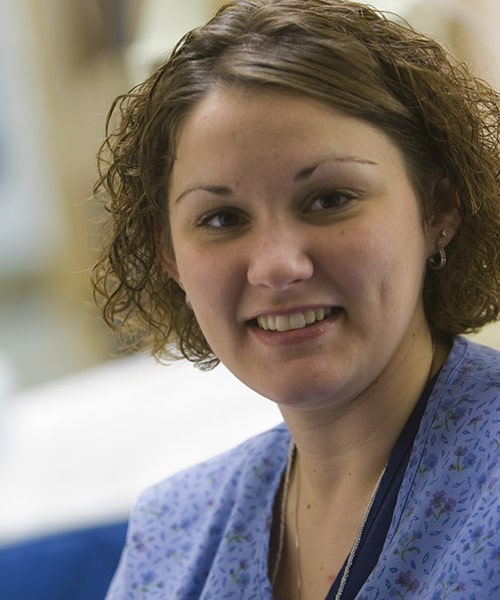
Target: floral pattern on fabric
(204,533)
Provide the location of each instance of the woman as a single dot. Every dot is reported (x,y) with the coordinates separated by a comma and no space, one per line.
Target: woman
(309,193)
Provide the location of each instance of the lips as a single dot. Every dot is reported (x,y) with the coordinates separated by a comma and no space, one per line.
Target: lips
(292,321)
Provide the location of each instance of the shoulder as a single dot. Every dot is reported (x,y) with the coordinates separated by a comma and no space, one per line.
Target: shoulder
(447,510)
(200,501)
(474,361)
(456,448)
(464,401)
(184,531)
(471,374)
(457,445)
(226,471)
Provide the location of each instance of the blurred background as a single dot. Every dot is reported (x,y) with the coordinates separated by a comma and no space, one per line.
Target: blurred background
(61,64)
(77,426)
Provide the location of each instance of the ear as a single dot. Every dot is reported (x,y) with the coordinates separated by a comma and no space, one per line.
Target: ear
(445,220)
(165,254)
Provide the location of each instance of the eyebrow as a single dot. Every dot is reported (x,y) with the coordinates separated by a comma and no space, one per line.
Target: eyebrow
(308,171)
(220,190)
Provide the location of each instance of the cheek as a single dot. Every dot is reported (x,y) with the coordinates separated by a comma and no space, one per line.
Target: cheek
(207,280)
(387,256)
(197,275)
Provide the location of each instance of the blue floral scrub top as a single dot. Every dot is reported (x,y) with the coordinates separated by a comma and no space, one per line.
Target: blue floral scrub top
(204,533)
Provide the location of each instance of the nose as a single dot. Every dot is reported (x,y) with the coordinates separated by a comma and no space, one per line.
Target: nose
(279,259)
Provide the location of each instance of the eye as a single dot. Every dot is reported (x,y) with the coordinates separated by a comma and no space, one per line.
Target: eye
(330,200)
(222,218)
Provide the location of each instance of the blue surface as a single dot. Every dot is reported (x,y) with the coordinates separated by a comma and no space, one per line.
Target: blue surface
(74,565)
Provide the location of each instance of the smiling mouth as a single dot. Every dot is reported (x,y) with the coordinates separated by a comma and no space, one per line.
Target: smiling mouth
(297,320)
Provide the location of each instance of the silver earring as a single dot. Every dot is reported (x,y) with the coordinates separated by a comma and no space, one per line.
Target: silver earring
(188,303)
(438,260)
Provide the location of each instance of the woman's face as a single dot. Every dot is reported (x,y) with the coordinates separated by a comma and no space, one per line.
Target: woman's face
(299,241)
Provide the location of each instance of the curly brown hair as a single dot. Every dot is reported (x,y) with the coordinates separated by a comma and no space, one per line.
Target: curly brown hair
(350,56)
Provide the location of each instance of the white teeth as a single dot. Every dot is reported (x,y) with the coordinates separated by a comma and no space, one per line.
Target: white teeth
(310,317)
(297,321)
(294,321)
(320,314)
(282,323)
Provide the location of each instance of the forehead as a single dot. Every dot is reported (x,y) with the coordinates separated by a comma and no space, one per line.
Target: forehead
(273,122)
(274,117)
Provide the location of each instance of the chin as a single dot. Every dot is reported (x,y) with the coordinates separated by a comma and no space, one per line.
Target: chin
(305,395)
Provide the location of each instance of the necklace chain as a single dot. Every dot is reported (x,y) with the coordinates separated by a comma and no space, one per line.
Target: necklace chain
(284,498)
(297,538)
(357,541)
(282,527)
(359,534)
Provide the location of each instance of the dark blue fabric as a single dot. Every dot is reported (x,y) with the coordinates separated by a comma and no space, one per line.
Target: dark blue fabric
(74,565)
(380,516)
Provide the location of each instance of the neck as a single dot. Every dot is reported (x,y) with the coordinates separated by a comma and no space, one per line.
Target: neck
(350,443)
